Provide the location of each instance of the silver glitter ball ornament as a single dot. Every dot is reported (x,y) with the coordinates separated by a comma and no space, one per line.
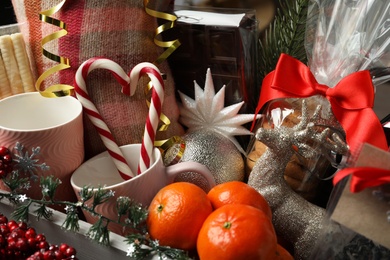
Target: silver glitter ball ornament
(216,152)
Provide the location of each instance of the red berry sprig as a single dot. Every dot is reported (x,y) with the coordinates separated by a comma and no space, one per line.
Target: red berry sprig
(5,162)
(18,241)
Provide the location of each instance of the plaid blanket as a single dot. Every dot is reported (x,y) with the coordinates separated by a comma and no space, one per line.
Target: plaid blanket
(119,30)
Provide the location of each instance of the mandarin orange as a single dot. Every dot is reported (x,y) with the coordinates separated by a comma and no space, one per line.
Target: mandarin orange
(177,213)
(237,231)
(238,192)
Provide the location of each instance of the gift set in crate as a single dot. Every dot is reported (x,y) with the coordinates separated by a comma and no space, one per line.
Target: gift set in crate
(136,130)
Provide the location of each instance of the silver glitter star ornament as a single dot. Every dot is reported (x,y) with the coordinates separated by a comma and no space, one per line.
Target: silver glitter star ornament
(211,129)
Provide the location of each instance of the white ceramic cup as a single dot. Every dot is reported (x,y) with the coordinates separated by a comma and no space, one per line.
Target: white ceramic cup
(53,124)
(100,171)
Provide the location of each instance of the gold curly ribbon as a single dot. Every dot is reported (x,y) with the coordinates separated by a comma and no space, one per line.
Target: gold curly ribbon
(56,90)
(170,46)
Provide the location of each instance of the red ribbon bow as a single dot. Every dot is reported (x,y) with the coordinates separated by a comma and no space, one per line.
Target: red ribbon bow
(351,99)
(364,177)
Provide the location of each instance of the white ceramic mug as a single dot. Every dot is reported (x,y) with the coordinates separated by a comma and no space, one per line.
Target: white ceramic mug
(53,124)
(100,171)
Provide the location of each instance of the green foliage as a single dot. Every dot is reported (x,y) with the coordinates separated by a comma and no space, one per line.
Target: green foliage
(43,212)
(16,183)
(130,215)
(72,219)
(49,186)
(141,245)
(286,34)
(100,196)
(99,232)
(21,212)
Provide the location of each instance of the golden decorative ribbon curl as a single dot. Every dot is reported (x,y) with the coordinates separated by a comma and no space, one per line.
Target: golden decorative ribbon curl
(56,90)
(171,46)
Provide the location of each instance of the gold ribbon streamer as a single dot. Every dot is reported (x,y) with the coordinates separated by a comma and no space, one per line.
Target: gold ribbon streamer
(56,90)
(171,46)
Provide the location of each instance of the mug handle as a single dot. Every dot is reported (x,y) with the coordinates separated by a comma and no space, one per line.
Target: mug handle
(173,170)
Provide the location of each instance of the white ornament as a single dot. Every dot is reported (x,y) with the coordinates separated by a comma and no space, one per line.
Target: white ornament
(210,138)
(208,112)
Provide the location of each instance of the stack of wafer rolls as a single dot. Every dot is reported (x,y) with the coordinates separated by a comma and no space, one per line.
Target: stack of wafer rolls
(15,70)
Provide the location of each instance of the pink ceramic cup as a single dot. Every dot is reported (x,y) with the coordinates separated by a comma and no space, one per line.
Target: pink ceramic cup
(101,171)
(53,124)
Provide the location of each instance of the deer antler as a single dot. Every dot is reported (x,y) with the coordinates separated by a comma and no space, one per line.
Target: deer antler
(310,142)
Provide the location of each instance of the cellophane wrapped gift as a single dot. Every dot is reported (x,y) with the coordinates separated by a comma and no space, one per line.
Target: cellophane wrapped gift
(347,49)
(118,30)
(223,40)
(347,46)
(345,37)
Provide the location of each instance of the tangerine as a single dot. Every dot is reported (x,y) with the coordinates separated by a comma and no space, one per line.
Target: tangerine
(238,192)
(237,231)
(177,213)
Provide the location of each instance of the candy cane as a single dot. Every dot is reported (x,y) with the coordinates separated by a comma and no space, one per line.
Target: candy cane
(154,110)
(126,82)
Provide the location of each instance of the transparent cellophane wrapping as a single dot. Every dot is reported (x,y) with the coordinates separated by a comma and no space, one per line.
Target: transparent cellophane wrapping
(309,177)
(339,242)
(345,36)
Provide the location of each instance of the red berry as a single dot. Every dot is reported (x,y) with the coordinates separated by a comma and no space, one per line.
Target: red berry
(43,245)
(11,244)
(18,241)
(22,225)
(21,244)
(38,254)
(12,223)
(3,219)
(17,233)
(70,251)
(48,255)
(58,254)
(30,233)
(4,229)
(40,237)
(3,150)
(53,247)
(63,247)
(7,158)
(32,242)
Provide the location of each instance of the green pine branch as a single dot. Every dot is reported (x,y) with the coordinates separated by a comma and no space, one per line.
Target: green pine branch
(286,34)
(141,245)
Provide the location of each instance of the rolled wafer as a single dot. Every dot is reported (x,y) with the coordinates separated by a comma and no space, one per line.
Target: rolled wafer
(23,62)
(5,88)
(10,64)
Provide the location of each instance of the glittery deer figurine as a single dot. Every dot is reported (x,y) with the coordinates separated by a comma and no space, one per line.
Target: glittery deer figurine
(295,219)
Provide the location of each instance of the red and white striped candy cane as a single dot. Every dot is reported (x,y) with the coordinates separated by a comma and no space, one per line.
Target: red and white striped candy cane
(126,82)
(155,108)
